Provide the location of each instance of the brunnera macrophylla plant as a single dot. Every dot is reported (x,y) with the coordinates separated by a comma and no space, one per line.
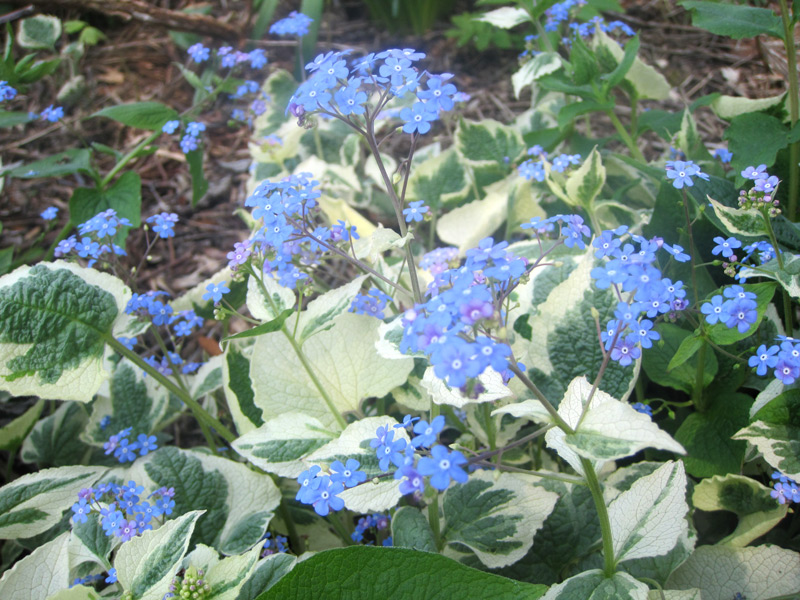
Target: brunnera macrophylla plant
(484,412)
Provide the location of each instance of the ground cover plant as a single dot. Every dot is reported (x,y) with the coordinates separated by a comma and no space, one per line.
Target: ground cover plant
(529,357)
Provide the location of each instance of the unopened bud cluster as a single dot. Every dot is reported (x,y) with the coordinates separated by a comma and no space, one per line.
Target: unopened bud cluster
(192,586)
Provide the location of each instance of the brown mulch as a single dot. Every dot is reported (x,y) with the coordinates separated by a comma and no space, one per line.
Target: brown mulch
(137,63)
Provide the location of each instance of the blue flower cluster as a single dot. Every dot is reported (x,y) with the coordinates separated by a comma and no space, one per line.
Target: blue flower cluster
(336,90)
(372,303)
(163,224)
(49,213)
(439,464)
(92,579)
(95,238)
(276,545)
(6,91)
(228,57)
(737,309)
(322,490)
(121,510)
(377,523)
(296,24)
(633,274)
(536,169)
(124,450)
(783,358)
(52,114)
(785,489)
(763,193)
(288,239)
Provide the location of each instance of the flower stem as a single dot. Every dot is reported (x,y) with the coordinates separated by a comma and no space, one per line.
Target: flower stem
(198,411)
(635,152)
(610,566)
(794,108)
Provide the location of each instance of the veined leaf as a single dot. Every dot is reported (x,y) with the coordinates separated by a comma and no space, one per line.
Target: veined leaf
(39,575)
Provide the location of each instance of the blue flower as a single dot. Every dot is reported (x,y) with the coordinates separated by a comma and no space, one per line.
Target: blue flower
(415,211)
(755,173)
(295,24)
(418,118)
(215,291)
(412,480)
(715,311)
(387,449)
(725,246)
(52,114)
(49,213)
(443,466)
(741,314)
(426,434)
(188,144)
(170,126)
(723,155)
(146,444)
(81,509)
(6,91)
(327,496)
(764,358)
(348,473)
(681,173)
(257,58)
(198,53)
(643,408)
(309,484)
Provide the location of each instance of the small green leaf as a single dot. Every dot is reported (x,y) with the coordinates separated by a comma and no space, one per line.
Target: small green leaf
(199,181)
(542,64)
(719,333)
(585,183)
(10,118)
(392,573)
(505,17)
(740,221)
(410,529)
(488,142)
(267,573)
(55,165)
(439,181)
(124,196)
(56,440)
(788,276)
(688,348)
(683,377)
(150,116)
(594,585)
(321,312)
(267,327)
(12,434)
(755,138)
(40,32)
(734,21)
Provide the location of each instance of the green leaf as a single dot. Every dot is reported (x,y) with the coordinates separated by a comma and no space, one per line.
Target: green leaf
(268,327)
(788,276)
(342,358)
(11,118)
(609,429)
(594,585)
(266,309)
(237,501)
(320,313)
(267,573)
(755,138)
(410,529)
(585,183)
(740,221)
(133,400)
(688,348)
(54,318)
(147,563)
(143,115)
(734,21)
(40,574)
(757,511)
(92,539)
(124,196)
(495,516)
(55,165)
(505,17)
(613,78)
(280,445)
(707,437)
(648,82)
(40,32)
(728,107)
(12,434)
(648,519)
(775,431)
(585,68)
(33,503)
(227,576)
(540,65)
(723,571)
(569,112)
(199,181)
(657,359)
(239,389)
(56,440)
(440,181)
(488,142)
(385,573)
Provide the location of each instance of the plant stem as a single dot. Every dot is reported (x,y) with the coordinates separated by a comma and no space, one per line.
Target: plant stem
(794,108)
(433,520)
(788,320)
(562,424)
(134,153)
(634,149)
(610,566)
(697,391)
(198,411)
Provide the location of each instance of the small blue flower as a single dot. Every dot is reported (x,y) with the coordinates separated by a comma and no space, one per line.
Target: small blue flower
(49,213)
(170,126)
(81,509)
(415,211)
(643,408)
(198,52)
(725,246)
(764,358)
(146,444)
(52,114)
(215,292)
(681,173)
(6,91)
(427,434)
(442,467)
(723,155)
(348,474)
(715,311)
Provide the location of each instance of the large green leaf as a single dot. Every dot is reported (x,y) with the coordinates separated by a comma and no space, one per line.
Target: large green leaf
(33,503)
(734,21)
(146,564)
(755,138)
(40,574)
(410,529)
(442,180)
(56,440)
(594,585)
(488,141)
(364,572)
(496,516)
(657,360)
(12,434)
(39,32)
(788,276)
(54,318)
